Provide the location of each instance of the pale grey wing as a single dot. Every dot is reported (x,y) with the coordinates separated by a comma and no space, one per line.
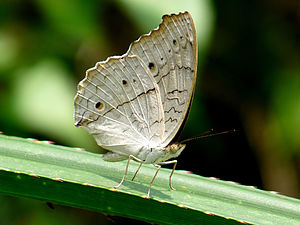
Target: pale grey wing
(119,103)
(170,52)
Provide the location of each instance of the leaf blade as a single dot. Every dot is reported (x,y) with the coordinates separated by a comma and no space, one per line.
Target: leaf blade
(82,179)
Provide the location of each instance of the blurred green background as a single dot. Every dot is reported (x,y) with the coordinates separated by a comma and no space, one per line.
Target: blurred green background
(248,79)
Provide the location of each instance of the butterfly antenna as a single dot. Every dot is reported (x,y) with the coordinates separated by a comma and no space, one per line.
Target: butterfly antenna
(204,135)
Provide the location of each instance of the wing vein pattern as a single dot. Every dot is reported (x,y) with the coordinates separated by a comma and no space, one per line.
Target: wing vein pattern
(170,52)
(142,97)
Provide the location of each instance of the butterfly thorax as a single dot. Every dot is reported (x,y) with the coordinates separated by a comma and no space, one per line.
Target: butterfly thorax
(159,154)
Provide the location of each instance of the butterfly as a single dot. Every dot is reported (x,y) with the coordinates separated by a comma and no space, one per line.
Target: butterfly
(135,104)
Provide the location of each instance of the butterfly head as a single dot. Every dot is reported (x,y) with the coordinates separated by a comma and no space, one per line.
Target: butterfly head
(174,149)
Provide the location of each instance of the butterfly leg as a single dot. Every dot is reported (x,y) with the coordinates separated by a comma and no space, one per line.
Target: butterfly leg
(126,169)
(170,178)
(158,168)
(136,172)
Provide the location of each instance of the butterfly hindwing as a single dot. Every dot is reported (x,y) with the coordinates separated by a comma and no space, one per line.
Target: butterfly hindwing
(119,103)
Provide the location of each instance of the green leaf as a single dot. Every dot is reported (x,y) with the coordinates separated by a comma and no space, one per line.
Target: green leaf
(82,179)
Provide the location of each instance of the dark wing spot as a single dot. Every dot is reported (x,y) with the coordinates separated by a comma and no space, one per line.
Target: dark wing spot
(99,105)
(151,66)
(174,42)
(125,83)
(134,80)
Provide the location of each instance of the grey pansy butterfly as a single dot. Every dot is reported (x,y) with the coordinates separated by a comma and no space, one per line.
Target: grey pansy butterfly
(135,104)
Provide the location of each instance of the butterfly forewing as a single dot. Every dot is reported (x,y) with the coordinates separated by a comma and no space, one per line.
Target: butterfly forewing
(170,52)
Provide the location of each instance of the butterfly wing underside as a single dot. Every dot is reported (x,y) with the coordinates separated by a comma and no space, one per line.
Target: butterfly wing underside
(170,52)
(141,98)
(119,103)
